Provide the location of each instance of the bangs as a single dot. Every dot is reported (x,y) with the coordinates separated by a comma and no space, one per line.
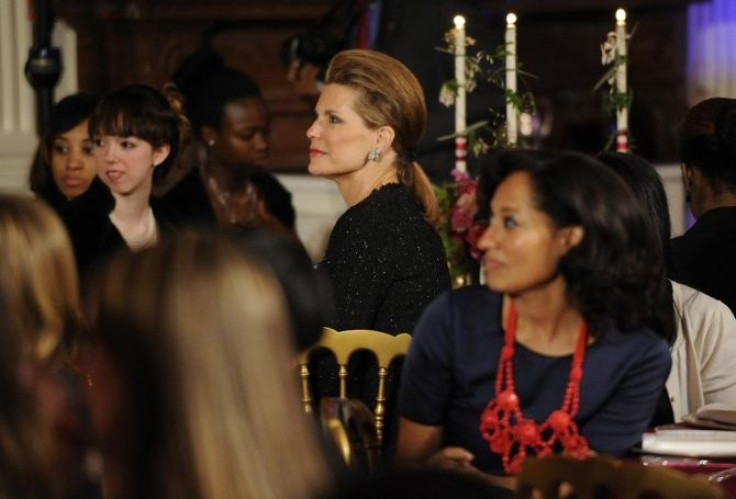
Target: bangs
(133,114)
(121,121)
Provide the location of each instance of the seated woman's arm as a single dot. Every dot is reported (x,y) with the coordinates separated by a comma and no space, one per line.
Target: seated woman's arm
(422,445)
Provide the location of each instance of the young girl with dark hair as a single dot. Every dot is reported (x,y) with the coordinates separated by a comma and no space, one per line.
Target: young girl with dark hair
(136,132)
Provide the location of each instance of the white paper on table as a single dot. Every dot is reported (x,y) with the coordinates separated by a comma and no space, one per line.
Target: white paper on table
(694,442)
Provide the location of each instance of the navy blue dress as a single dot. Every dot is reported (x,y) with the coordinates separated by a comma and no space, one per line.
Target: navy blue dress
(450,372)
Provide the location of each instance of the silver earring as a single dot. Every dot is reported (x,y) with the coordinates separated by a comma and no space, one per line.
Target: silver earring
(374,155)
(211,142)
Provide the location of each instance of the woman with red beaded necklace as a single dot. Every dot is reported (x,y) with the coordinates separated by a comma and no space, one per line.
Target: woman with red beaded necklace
(558,353)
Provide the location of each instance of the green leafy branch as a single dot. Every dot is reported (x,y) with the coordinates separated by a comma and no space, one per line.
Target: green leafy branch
(490,68)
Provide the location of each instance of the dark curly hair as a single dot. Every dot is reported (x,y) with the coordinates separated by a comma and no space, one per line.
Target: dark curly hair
(708,141)
(645,183)
(613,275)
(208,85)
(144,112)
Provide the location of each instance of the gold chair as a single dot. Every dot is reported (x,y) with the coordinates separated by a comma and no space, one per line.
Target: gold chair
(343,344)
(554,477)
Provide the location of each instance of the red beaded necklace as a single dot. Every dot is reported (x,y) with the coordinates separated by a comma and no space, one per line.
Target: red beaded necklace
(509,433)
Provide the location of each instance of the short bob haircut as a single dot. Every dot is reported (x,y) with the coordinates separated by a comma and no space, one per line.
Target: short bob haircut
(612,276)
(143,112)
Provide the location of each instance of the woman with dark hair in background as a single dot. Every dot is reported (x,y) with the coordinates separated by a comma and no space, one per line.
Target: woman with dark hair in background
(137,131)
(227,184)
(705,343)
(703,257)
(64,165)
(555,354)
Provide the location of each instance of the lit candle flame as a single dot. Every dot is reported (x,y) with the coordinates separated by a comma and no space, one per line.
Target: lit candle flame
(620,15)
(510,18)
(459,21)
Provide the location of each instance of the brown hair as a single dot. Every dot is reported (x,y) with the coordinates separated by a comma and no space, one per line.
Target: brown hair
(199,330)
(389,94)
(144,112)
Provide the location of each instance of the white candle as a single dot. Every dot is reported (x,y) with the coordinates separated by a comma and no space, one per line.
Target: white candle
(622,115)
(512,125)
(460,124)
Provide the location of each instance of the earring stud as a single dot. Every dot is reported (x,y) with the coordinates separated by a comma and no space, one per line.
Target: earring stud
(211,142)
(374,155)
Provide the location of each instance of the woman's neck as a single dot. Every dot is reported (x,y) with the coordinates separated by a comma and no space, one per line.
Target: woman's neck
(132,206)
(227,178)
(133,218)
(356,187)
(716,200)
(546,321)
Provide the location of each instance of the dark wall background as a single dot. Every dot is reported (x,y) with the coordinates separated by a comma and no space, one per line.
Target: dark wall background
(123,41)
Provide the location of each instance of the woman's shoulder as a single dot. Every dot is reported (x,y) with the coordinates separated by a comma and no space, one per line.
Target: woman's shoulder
(633,345)
(389,211)
(389,198)
(465,307)
(690,301)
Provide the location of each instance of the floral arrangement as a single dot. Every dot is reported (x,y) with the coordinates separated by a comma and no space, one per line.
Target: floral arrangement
(490,68)
(458,229)
(457,199)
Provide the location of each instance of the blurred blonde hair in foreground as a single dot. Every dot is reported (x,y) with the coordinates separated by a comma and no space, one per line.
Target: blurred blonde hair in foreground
(199,331)
(40,275)
(39,306)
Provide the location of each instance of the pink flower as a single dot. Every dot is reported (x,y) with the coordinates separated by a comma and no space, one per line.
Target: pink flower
(462,179)
(472,238)
(467,204)
(460,221)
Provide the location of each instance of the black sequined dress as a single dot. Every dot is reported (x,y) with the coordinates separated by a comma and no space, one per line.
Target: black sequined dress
(386,263)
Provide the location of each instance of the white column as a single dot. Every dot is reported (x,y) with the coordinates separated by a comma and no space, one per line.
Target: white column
(17,102)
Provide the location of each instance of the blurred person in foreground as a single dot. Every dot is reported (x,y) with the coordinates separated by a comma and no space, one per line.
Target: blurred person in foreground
(42,316)
(192,394)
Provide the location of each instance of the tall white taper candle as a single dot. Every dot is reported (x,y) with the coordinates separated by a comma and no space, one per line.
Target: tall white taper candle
(512,118)
(460,105)
(622,115)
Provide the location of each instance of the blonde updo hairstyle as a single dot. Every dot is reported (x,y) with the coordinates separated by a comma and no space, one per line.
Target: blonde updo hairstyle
(390,95)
